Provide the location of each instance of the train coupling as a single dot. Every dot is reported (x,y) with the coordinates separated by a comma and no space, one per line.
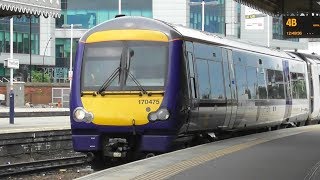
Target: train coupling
(116,148)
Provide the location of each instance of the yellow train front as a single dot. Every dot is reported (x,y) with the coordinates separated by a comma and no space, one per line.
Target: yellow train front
(126,94)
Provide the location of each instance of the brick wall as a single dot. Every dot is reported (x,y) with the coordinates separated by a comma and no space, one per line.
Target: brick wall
(3,89)
(36,93)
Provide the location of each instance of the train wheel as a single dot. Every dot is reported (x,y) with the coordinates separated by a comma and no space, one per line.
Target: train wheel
(277,127)
(308,122)
(298,124)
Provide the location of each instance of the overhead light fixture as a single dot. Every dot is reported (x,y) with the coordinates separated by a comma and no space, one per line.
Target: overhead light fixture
(318,2)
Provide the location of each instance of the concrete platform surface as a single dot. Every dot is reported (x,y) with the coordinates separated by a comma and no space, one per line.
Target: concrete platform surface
(292,154)
(27,124)
(20,109)
(34,112)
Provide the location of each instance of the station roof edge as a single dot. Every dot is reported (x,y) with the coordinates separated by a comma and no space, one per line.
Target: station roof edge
(46,8)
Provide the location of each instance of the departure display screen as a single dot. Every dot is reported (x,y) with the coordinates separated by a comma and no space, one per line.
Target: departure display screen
(301,26)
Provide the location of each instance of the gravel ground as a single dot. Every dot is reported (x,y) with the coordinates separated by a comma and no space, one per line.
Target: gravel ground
(63,174)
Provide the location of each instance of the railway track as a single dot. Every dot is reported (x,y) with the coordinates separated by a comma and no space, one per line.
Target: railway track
(19,168)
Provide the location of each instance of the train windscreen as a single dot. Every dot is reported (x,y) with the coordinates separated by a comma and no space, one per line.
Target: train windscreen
(124,65)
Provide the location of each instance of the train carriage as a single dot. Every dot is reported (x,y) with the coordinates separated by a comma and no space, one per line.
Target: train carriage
(313,68)
(140,83)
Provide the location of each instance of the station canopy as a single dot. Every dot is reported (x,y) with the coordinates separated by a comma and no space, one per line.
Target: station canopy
(284,7)
(44,8)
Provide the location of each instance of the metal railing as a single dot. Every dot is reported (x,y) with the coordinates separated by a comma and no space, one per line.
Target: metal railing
(5,79)
(16,79)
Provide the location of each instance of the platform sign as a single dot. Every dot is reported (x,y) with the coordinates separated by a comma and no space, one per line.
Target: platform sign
(11,63)
(301,26)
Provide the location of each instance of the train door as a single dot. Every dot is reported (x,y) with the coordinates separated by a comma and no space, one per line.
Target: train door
(288,91)
(209,91)
(230,88)
(193,100)
(241,82)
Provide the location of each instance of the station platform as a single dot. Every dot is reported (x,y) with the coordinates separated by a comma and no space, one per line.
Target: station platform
(33,124)
(34,112)
(292,154)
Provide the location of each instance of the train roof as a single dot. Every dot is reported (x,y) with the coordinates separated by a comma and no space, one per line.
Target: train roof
(131,22)
(193,34)
(309,57)
(181,32)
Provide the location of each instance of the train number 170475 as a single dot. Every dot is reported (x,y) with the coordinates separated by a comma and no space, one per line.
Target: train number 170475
(151,101)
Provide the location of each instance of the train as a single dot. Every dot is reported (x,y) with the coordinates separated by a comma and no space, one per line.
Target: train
(140,84)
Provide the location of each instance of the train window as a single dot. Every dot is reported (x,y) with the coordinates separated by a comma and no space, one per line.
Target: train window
(262,88)
(216,80)
(189,46)
(216,53)
(99,61)
(240,72)
(240,58)
(226,72)
(208,52)
(275,84)
(298,86)
(203,79)
(190,62)
(252,82)
(191,73)
(280,83)
(146,58)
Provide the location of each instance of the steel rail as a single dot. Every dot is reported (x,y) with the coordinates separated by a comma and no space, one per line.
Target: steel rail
(18,168)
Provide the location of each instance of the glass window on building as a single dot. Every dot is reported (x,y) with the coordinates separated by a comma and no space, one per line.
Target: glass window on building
(137,8)
(2,40)
(21,33)
(25,43)
(89,13)
(214,20)
(277,29)
(63,51)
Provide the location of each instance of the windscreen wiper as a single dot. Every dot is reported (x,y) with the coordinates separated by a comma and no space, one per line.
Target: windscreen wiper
(108,81)
(137,82)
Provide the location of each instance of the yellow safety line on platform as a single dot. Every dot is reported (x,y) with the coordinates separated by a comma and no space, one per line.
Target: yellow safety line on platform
(174,169)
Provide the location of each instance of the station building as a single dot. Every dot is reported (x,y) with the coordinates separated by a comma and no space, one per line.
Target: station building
(51,38)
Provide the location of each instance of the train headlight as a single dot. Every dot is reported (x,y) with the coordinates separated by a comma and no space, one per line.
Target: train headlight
(160,114)
(163,114)
(89,117)
(81,115)
(152,116)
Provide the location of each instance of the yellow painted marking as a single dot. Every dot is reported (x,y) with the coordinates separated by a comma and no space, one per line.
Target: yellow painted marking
(174,169)
(120,109)
(128,34)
